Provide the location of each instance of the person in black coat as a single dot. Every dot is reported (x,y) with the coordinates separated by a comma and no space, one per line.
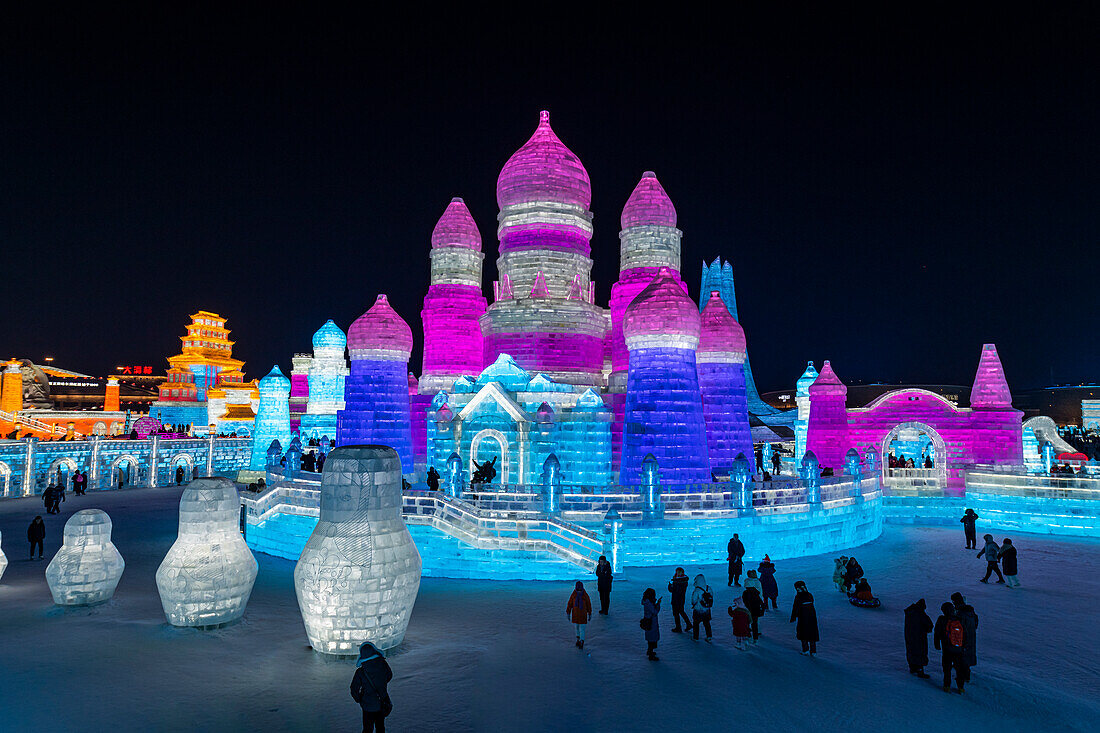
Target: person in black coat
(1008,563)
(804,612)
(917,627)
(433,478)
(678,587)
(954,654)
(368,687)
(735,555)
(603,583)
(36,533)
(969,619)
(754,604)
(968,519)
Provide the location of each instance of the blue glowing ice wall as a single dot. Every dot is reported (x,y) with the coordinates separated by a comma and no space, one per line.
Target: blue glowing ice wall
(376,393)
(664,414)
(720,358)
(272,417)
(584,442)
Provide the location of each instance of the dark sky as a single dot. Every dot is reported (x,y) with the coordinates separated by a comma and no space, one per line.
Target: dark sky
(892,190)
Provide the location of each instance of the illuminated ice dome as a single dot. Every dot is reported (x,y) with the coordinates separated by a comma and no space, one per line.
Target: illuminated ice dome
(648,205)
(88,566)
(380,333)
(543,169)
(329,336)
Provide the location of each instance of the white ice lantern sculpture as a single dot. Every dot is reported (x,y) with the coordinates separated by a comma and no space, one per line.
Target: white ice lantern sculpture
(208,574)
(87,568)
(359,573)
(3,557)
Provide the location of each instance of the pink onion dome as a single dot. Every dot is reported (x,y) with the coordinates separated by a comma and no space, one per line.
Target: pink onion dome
(827,381)
(456,228)
(648,205)
(544,170)
(380,334)
(662,316)
(721,338)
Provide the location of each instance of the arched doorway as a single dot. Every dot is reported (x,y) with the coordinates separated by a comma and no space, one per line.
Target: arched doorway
(123,471)
(5,479)
(61,472)
(184,462)
(486,445)
(920,443)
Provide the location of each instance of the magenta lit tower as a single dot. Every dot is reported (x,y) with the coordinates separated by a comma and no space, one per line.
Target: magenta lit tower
(453,344)
(376,393)
(997,433)
(543,313)
(721,364)
(827,434)
(664,415)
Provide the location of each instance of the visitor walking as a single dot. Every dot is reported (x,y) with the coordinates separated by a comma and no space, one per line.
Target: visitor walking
(735,554)
(368,687)
(775,463)
(969,517)
(754,604)
(702,600)
(741,620)
(36,534)
(1008,563)
(769,589)
(969,620)
(651,606)
(950,637)
(79,481)
(47,498)
(803,611)
(992,552)
(917,627)
(603,583)
(579,610)
(678,587)
(59,495)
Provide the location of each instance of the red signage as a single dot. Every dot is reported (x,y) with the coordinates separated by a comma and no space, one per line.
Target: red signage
(136,369)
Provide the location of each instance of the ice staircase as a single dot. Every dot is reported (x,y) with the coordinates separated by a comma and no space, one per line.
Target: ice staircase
(38,425)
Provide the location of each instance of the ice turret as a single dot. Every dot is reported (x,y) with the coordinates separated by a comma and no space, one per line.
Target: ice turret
(721,365)
(990,390)
(827,435)
(272,416)
(802,402)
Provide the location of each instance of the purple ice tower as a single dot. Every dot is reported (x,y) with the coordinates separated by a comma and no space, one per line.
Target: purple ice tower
(664,415)
(721,361)
(376,393)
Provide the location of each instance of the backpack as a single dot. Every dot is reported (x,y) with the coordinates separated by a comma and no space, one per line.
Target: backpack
(708,599)
(955,633)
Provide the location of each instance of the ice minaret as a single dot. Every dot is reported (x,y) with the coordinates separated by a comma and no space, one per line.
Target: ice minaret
(664,414)
(827,429)
(272,416)
(721,360)
(648,241)
(358,575)
(88,566)
(543,313)
(376,394)
(208,574)
(453,344)
(802,402)
(327,371)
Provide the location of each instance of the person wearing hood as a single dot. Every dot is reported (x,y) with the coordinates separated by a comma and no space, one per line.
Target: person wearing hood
(579,611)
(678,587)
(1008,563)
(702,600)
(803,611)
(969,517)
(603,583)
(754,604)
(36,533)
(651,607)
(949,635)
(368,687)
(969,620)
(742,624)
(917,627)
(735,556)
(769,589)
(991,552)
(853,571)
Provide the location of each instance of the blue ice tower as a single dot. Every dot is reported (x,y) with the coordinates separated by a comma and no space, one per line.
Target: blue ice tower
(721,361)
(272,417)
(327,372)
(376,393)
(802,402)
(663,414)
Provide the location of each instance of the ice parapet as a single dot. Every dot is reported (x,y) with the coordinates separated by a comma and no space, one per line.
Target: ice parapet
(88,566)
(208,574)
(359,573)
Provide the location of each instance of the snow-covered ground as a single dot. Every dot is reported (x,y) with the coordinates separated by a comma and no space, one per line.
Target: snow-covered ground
(485,655)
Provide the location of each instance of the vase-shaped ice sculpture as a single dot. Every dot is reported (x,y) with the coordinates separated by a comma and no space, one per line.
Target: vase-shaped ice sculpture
(87,568)
(3,557)
(208,574)
(359,573)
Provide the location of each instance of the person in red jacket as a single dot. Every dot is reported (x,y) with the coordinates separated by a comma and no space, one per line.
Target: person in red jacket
(742,624)
(579,611)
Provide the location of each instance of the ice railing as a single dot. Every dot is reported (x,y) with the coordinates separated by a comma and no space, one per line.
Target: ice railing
(487,529)
(1079,487)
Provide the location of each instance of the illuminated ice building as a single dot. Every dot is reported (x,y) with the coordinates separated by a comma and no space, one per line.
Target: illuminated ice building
(317,384)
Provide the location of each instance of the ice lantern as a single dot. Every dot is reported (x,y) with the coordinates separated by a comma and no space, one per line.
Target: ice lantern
(87,568)
(3,558)
(359,573)
(208,574)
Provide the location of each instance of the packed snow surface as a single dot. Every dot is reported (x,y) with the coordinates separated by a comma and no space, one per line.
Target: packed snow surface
(482,655)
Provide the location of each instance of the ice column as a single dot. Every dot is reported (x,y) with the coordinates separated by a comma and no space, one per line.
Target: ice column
(376,394)
(664,415)
(721,365)
(272,416)
(359,573)
(208,574)
(88,567)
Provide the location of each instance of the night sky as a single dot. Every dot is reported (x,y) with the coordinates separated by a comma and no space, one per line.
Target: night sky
(893,191)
